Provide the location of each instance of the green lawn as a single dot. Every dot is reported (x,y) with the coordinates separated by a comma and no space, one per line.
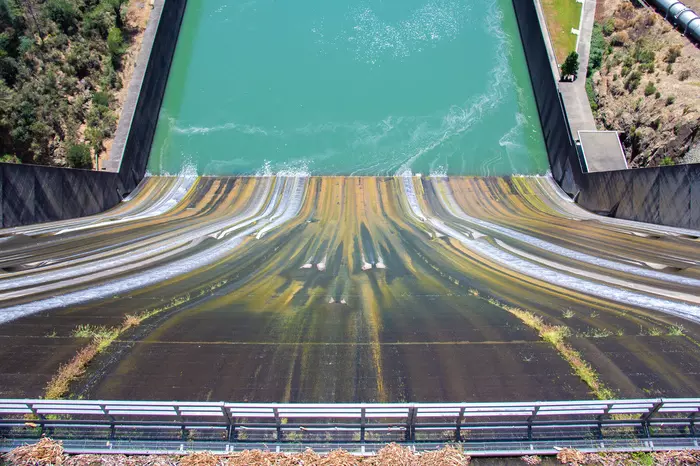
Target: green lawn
(561,17)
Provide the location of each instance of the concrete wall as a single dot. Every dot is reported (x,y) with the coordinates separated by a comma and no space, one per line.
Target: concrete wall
(35,194)
(665,195)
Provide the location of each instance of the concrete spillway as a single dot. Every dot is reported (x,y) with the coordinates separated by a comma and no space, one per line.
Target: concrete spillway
(350,289)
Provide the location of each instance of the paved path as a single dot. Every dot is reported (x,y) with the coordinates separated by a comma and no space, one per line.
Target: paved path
(574,93)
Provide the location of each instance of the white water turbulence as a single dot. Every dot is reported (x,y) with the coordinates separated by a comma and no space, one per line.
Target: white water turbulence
(280,203)
(478,244)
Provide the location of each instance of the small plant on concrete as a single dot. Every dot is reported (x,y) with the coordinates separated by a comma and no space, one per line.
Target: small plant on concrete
(676,330)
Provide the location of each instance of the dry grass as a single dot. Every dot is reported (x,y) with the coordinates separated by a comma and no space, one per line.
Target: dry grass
(48,452)
(59,384)
(556,336)
(45,452)
(102,337)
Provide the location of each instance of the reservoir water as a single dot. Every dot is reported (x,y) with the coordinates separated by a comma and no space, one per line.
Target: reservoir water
(364,87)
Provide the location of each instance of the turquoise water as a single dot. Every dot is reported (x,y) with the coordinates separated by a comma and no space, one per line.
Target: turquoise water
(356,87)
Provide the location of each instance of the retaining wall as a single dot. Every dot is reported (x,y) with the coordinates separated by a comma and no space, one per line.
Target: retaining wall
(35,194)
(665,195)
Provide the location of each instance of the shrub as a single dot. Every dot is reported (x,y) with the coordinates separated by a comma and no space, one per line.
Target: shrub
(633,80)
(592,95)
(666,161)
(657,95)
(683,75)
(64,14)
(570,65)
(101,98)
(619,39)
(10,158)
(78,156)
(598,47)
(609,27)
(672,54)
(670,100)
(115,42)
(649,89)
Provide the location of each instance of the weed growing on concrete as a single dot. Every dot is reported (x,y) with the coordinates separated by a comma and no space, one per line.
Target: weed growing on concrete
(676,330)
(102,337)
(556,336)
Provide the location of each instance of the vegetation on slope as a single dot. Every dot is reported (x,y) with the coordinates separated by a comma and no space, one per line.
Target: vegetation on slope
(60,64)
(644,82)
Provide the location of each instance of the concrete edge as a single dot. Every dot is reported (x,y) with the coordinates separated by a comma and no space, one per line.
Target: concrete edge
(113,164)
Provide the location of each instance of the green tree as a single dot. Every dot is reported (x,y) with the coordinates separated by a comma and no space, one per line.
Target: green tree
(570,66)
(79,156)
(115,42)
(64,13)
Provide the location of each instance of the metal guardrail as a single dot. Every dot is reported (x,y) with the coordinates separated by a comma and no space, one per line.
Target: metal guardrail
(146,423)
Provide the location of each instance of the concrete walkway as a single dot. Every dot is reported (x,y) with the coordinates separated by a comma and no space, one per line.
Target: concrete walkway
(574,93)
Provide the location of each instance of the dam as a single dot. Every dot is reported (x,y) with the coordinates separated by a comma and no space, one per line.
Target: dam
(400,240)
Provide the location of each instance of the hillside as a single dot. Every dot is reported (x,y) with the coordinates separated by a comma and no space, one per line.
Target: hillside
(63,68)
(645,83)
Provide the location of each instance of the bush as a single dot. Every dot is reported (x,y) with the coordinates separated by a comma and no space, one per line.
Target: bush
(670,100)
(115,42)
(650,89)
(666,161)
(598,47)
(570,66)
(683,75)
(64,14)
(657,95)
(101,98)
(609,26)
(633,80)
(10,158)
(79,156)
(592,95)
(673,54)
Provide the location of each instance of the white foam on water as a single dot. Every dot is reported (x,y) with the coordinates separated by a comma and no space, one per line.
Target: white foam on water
(373,39)
(461,119)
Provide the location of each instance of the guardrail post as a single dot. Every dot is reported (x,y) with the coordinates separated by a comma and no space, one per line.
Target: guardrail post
(363,421)
(179,417)
(411,424)
(278,423)
(529,422)
(646,419)
(692,423)
(40,417)
(110,418)
(458,430)
(231,429)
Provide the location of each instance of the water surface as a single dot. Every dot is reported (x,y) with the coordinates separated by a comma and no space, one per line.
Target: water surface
(363,87)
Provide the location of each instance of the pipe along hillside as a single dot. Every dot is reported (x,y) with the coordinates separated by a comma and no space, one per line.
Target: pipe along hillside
(340,289)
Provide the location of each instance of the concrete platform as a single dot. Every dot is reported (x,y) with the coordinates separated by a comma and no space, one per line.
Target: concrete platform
(601,151)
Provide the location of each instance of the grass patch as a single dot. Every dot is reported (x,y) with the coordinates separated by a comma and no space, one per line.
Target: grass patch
(102,337)
(561,16)
(556,336)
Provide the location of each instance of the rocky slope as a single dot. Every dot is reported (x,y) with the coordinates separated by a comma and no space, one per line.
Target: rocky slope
(647,84)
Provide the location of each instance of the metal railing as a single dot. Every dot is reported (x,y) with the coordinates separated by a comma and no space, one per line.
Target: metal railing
(146,423)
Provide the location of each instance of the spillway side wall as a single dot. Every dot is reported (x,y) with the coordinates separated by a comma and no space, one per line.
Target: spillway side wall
(663,195)
(35,194)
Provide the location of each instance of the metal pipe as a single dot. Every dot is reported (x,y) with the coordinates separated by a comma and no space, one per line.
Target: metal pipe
(680,15)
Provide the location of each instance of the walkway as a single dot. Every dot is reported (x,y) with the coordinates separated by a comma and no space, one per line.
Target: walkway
(574,93)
